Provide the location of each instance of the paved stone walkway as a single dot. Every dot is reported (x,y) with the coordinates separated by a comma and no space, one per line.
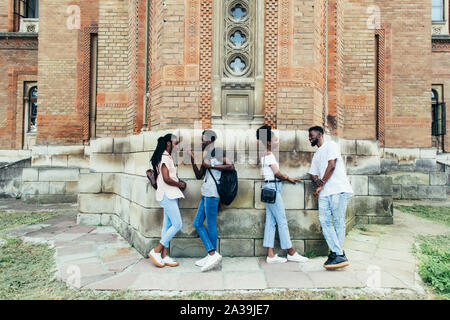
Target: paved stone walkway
(380,257)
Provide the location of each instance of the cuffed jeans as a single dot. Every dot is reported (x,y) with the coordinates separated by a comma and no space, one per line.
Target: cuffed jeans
(207,209)
(334,206)
(276,216)
(172,220)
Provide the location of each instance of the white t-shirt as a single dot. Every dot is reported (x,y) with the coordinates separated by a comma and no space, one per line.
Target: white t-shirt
(266,162)
(338,181)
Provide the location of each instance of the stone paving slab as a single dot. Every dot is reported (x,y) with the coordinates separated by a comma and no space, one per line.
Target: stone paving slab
(379,255)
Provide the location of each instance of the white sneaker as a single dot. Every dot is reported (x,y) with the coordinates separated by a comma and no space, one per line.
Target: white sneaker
(156,258)
(296,257)
(168,261)
(212,261)
(201,262)
(276,259)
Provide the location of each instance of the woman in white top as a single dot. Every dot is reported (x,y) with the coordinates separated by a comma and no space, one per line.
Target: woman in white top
(275,212)
(167,194)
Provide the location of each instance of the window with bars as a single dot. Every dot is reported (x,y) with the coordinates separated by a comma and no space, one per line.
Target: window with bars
(25,9)
(438,109)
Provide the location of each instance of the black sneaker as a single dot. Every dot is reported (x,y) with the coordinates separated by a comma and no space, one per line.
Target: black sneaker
(331,257)
(339,261)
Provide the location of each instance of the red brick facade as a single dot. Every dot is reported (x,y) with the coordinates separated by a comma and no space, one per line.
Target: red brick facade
(363,76)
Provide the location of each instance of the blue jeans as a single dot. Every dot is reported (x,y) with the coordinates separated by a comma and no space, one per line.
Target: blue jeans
(207,209)
(276,216)
(172,220)
(334,206)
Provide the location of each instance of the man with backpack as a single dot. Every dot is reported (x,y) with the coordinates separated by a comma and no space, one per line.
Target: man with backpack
(213,165)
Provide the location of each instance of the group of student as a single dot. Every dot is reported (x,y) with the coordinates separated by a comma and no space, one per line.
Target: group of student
(332,188)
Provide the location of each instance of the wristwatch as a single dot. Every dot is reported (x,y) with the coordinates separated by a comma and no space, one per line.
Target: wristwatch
(212,165)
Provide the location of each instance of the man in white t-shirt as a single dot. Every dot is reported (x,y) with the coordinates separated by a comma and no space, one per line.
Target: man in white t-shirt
(334,191)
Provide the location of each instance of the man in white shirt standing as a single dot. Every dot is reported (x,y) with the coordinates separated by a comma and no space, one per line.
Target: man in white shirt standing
(334,191)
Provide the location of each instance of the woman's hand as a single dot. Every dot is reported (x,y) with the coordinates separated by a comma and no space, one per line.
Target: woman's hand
(182,185)
(316,193)
(293,180)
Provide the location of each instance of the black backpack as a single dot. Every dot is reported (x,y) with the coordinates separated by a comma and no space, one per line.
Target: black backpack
(228,186)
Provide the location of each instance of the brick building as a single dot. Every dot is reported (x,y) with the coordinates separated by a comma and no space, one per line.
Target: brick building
(88,85)
(363,68)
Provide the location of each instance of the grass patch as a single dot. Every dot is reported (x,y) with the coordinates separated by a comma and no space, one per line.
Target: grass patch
(436,214)
(14,219)
(433,253)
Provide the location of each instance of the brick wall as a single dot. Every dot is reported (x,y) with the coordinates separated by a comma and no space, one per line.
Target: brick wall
(60,118)
(174,84)
(4,15)
(18,63)
(300,64)
(359,72)
(408,108)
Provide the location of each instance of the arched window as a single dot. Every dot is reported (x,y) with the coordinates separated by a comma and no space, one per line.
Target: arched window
(32,111)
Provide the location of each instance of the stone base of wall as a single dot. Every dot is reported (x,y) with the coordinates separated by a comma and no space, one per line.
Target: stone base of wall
(126,200)
(11,178)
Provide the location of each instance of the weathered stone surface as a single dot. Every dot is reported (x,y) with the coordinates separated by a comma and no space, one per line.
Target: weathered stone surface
(397,191)
(122,145)
(428,153)
(360,185)
(102,145)
(302,143)
(360,165)
(347,146)
(410,178)
(367,147)
(59,161)
(432,192)
(310,200)
(318,247)
(402,155)
(137,143)
(245,195)
(362,220)
(108,182)
(295,164)
(244,223)
(303,224)
(142,244)
(410,192)
(30,174)
(50,198)
(380,186)
(90,183)
(192,194)
(371,205)
(105,162)
(436,178)
(248,171)
(57,188)
(293,195)
(141,163)
(41,160)
(65,150)
(381,220)
(78,161)
(426,165)
(96,203)
(183,248)
(287,139)
(34,188)
(88,219)
(59,174)
(122,206)
(237,247)
(106,219)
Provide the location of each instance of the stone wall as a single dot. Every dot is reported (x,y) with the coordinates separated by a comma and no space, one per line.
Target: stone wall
(117,193)
(415,173)
(11,178)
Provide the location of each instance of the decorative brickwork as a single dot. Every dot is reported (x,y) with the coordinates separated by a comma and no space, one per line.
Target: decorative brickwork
(83,76)
(381,53)
(270,63)
(205,62)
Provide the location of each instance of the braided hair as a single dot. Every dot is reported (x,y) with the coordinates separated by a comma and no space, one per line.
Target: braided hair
(160,148)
